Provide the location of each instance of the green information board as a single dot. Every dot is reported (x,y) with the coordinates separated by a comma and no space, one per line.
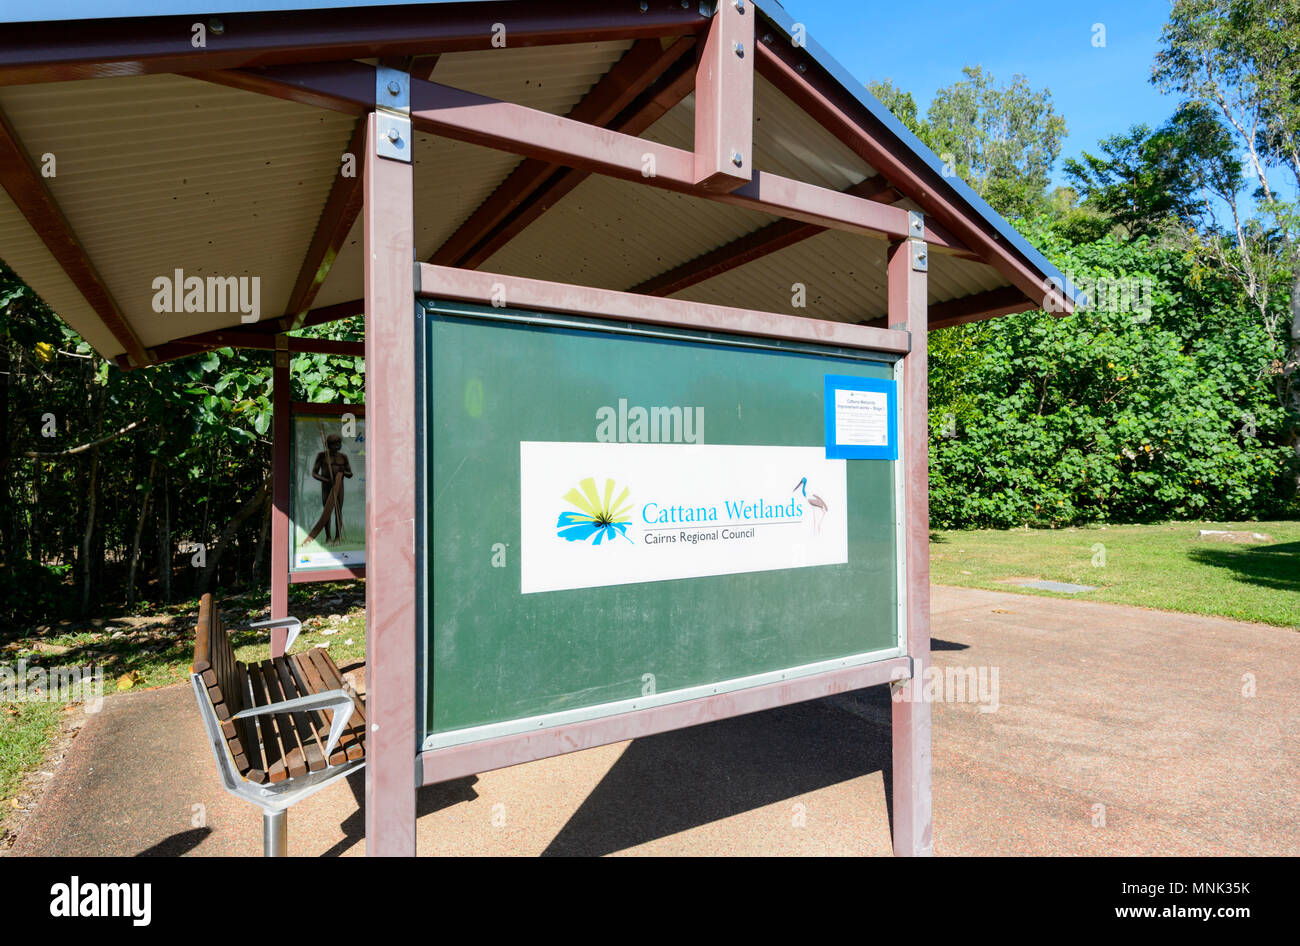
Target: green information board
(614,516)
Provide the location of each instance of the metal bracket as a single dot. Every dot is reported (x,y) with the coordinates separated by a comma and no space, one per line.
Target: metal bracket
(392,114)
(900,682)
(920,256)
(916,224)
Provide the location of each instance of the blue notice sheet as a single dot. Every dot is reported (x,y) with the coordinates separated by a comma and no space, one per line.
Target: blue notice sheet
(861,418)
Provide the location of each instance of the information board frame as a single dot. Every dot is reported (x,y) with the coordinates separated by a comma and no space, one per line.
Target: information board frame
(443,754)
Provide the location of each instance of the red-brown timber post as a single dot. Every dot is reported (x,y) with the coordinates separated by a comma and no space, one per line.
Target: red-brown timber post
(913,823)
(280,473)
(390,477)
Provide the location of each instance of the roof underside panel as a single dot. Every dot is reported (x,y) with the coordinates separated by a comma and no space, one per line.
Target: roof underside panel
(452,178)
(24,252)
(163,173)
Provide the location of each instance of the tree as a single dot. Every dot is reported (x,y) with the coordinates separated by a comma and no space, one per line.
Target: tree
(900,103)
(1144,178)
(1240,58)
(1002,140)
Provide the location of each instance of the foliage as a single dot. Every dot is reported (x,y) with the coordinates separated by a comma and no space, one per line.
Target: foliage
(1001,140)
(1108,414)
(185,444)
(1143,178)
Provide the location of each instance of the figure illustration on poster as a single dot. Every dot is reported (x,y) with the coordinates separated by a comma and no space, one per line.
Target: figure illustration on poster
(330,469)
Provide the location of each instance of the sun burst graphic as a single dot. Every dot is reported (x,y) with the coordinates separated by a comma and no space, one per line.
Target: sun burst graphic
(600,517)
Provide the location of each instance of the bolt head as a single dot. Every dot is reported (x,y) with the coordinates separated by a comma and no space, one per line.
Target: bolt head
(644,6)
(740,50)
(740,6)
(801,68)
(737,159)
(394,88)
(215,25)
(394,135)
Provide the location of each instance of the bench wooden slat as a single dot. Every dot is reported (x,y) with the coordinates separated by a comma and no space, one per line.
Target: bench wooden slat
(275,770)
(352,741)
(313,674)
(295,756)
(306,732)
(309,680)
(255,772)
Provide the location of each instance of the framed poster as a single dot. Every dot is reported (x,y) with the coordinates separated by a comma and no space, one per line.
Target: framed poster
(327,492)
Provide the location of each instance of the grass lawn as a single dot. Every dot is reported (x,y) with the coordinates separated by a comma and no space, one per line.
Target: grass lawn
(1168,567)
(25,728)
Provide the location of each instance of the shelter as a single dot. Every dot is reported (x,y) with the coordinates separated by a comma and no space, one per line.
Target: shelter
(695,165)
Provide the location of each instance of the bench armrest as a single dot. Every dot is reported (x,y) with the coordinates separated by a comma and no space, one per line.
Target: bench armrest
(293,624)
(336,700)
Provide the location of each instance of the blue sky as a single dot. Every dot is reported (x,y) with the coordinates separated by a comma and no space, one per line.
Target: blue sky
(922,46)
(1100,91)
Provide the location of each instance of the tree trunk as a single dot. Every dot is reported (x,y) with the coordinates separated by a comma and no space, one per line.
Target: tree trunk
(9,510)
(86,569)
(139,528)
(223,542)
(165,545)
(261,544)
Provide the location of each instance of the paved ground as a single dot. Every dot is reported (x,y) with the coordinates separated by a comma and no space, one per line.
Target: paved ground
(1105,714)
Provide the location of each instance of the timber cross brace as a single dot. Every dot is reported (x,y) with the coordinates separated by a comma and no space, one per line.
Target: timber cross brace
(747,157)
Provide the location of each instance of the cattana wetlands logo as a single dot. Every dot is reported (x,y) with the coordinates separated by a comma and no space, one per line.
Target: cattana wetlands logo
(599,518)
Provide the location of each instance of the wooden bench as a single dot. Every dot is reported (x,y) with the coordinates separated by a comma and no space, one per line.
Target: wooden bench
(281,728)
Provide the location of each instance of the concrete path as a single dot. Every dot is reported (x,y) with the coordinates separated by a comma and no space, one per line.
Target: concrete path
(1117,731)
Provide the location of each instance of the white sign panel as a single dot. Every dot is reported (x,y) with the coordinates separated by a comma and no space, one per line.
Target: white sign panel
(861,418)
(596,514)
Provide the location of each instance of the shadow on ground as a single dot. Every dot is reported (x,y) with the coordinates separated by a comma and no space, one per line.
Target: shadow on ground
(1269,566)
(429,799)
(662,785)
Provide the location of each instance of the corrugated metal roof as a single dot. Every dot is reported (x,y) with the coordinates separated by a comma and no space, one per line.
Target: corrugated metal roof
(159,173)
(25,253)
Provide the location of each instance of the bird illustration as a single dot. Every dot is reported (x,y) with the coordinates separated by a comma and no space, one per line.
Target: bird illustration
(815,501)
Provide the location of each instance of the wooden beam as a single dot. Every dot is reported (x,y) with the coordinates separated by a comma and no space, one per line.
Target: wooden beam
(676,84)
(464,285)
(981,305)
(638,69)
(341,209)
(257,335)
(101,48)
(476,119)
(342,206)
(792,71)
(913,825)
(391,649)
(752,246)
(22,181)
(724,100)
